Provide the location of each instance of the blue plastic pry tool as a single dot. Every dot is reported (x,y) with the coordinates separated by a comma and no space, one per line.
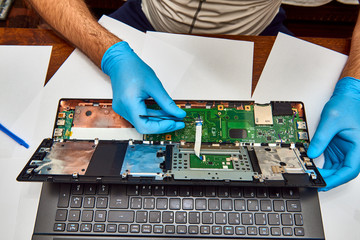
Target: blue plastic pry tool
(13,136)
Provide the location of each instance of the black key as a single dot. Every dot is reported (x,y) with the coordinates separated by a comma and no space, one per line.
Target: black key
(287,231)
(198,191)
(77,189)
(234,218)
(181,229)
(123,228)
(85,227)
(247,219)
(89,202)
(180,217)
(102,202)
(185,191)
(249,192)
(194,217)
(265,205)
(298,219)
(111,228)
(214,204)
(279,206)
(239,205)
(158,229)
(74,215)
(188,203)
(193,229)
(293,206)
(99,227)
(291,193)
(132,190)
(228,230)
(275,231)
(264,231)
(149,203)
(146,190)
(253,205)
(210,191)
(220,218)
(159,191)
(275,192)
(90,189)
(161,203)
(252,230)
(154,216)
(135,203)
(261,192)
(207,218)
(226,205)
(72,227)
(146,228)
(87,216)
(170,229)
(100,216)
(299,231)
(103,189)
(236,192)
(168,217)
(175,203)
(134,228)
(200,204)
(141,216)
(76,202)
(274,219)
(118,197)
(286,219)
(223,192)
(240,231)
(64,196)
(121,216)
(59,227)
(205,230)
(217,230)
(61,215)
(172,191)
(260,219)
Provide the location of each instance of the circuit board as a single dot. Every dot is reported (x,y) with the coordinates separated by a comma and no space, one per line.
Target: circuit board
(64,124)
(211,161)
(233,124)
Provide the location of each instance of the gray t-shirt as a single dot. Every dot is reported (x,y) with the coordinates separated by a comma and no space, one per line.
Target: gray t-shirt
(236,17)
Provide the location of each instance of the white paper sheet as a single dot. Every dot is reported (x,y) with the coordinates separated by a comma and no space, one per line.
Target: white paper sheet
(300,71)
(221,68)
(168,62)
(23,71)
(77,77)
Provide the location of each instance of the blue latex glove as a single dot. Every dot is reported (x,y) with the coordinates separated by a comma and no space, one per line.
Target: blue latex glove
(338,134)
(132,82)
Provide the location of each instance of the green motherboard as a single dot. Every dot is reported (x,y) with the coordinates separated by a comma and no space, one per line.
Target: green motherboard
(211,161)
(64,124)
(229,125)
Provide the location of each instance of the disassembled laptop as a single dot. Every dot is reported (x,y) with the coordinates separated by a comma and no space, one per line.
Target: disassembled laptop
(233,142)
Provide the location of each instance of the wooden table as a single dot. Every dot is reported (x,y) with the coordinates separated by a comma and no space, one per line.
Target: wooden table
(62,49)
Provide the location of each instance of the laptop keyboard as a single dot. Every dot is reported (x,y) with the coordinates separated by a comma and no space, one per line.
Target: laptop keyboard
(179,210)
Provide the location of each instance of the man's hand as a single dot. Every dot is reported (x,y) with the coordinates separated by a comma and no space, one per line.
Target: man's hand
(338,134)
(132,82)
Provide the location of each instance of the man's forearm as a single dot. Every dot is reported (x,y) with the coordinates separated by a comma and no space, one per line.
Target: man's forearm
(352,67)
(73,20)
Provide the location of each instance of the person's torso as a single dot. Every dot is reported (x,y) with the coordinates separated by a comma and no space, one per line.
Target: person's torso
(245,17)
